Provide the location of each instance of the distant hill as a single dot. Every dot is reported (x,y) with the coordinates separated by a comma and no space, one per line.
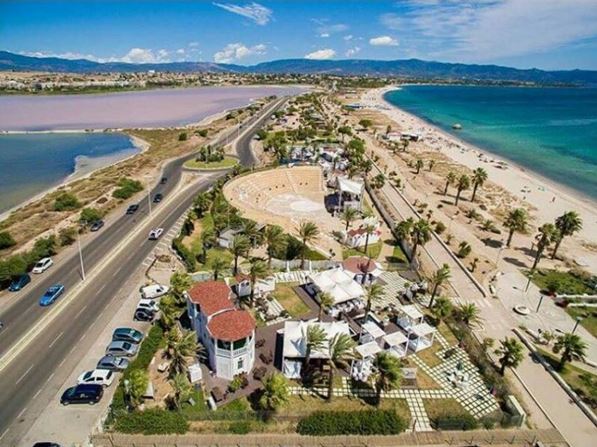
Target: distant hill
(409,68)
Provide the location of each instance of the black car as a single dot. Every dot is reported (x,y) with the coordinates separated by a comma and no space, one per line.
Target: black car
(142,314)
(19,282)
(158,198)
(82,394)
(95,226)
(163,180)
(132,209)
(46,444)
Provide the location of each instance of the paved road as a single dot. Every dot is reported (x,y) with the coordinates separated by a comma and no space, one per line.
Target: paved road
(35,366)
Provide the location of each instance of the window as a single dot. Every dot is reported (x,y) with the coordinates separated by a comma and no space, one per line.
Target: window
(240,364)
(239,343)
(223,344)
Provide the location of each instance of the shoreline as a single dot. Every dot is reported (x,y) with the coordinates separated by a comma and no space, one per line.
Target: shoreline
(547,198)
(82,171)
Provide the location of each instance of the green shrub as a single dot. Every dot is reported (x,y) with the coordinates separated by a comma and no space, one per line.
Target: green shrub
(42,248)
(183,136)
(66,202)
(186,254)
(368,422)
(67,236)
(240,427)
(126,188)
(11,267)
(454,422)
(202,133)
(151,422)
(440,227)
(90,215)
(6,240)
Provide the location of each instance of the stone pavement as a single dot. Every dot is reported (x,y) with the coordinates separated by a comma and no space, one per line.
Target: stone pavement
(299,276)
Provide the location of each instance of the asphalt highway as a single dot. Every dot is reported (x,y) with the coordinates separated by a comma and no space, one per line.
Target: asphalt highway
(43,357)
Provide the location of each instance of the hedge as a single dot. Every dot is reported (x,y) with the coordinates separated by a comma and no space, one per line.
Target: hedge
(454,422)
(155,421)
(368,422)
(186,254)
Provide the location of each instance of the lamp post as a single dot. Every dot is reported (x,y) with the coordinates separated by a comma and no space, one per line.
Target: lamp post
(541,296)
(578,320)
(80,254)
(531,274)
(149,200)
(497,261)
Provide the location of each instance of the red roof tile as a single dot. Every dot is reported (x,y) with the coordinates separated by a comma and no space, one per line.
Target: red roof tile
(359,264)
(231,325)
(212,296)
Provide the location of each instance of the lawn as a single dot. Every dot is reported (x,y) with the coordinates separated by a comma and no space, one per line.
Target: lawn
(194,411)
(437,408)
(568,283)
(373,251)
(288,298)
(588,315)
(227,162)
(429,355)
(398,256)
(581,381)
(194,243)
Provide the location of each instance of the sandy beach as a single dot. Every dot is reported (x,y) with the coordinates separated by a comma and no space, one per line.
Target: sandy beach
(546,199)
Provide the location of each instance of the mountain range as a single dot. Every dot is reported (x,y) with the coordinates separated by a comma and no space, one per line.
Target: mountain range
(407,68)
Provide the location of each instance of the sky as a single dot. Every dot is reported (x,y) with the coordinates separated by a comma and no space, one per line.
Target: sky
(547,34)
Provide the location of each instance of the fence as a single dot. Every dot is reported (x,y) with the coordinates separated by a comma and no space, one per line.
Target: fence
(549,437)
(295,264)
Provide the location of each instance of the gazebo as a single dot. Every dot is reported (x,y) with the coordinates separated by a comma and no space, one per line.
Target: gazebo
(421,337)
(362,367)
(398,343)
(409,316)
(350,193)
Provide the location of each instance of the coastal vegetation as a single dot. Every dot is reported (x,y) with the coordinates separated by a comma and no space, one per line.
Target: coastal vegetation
(127,188)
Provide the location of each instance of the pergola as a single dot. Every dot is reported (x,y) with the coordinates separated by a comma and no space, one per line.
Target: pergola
(421,336)
(398,343)
(409,316)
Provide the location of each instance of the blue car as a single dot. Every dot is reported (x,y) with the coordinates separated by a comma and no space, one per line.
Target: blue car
(51,295)
(19,282)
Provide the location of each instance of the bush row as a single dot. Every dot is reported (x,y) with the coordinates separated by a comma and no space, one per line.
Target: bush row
(16,265)
(185,254)
(368,422)
(126,188)
(151,422)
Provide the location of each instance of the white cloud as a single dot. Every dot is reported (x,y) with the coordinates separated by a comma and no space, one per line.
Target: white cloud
(477,31)
(193,44)
(145,56)
(67,55)
(352,51)
(348,37)
(324,35)
(326,29)
(133,56)
(236,51)
(253,11)
(326,53)
(383,41)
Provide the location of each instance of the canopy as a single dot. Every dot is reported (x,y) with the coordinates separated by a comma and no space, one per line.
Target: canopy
(350,186)
(295,337)
(422,330)
(368,349)
(373,329)
(411,312)
(339,284)
(395,339)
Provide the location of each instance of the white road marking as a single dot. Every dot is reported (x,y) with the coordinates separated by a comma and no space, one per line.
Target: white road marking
(4,433)
(56,339)
(37,394)
(23,376)
(50,378)
(81,311)
(101,288)
(21,413)
(62,362)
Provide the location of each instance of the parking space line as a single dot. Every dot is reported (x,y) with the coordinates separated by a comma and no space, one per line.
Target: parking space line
(23,376)
(56,339)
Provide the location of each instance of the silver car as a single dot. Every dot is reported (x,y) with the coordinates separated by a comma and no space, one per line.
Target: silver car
(122,348)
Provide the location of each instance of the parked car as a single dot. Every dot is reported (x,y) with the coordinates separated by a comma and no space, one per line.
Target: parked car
(155,234)
(143,315)
(145,303)
(19,282)
(42,265)
(113,363)
(97,225)
(132,209)
(46,444)
(101,377)
(82,394)
(163,180)
(154,291)
(127,334)
(51,295)
(158,198)
(123,348)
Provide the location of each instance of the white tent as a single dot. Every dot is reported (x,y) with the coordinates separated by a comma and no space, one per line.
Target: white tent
(339,284)
(350,186)
(295,337)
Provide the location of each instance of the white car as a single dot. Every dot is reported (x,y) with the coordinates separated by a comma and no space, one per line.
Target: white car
(148,304)
(102,377)
(154,291)
(155,234)
(42,265)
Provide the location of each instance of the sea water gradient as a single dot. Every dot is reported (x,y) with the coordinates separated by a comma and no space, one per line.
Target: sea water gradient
(32,163)
(552,131)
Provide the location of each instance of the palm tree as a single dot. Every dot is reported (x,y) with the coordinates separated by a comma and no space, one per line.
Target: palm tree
(369,230)
(469,314)
(511,352)
(517,221)
(169,312)
(276,241)
(218,263)
(251,230)
(437,279)
(548,233)
(275,392)
(442,308)
(257,270)
(182,390)
(464,183)
(315,341)
(179,283)
(201,204)
(180,347)
(479,177)
(208,240)
(450,179)
(404,228)
(567,224)
(572,347)
(136,386)
(341,350)
(387,375)
(419,165)
(373,293)
(349,215)
(308,232)
(240,247)
(325,302)
(420,235)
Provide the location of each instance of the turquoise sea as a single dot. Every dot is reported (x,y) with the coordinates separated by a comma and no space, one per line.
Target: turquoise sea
(552,131)
(32,163)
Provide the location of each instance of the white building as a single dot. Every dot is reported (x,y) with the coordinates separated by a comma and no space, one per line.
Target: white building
(227,333)
(357,237)
(295,344)
(262,287)
(350,193)
(227,236)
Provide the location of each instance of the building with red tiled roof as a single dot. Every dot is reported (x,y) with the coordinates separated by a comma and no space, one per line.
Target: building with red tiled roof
(227,333)
(364,269)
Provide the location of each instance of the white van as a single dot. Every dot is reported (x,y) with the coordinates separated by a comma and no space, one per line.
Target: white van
(154,291)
